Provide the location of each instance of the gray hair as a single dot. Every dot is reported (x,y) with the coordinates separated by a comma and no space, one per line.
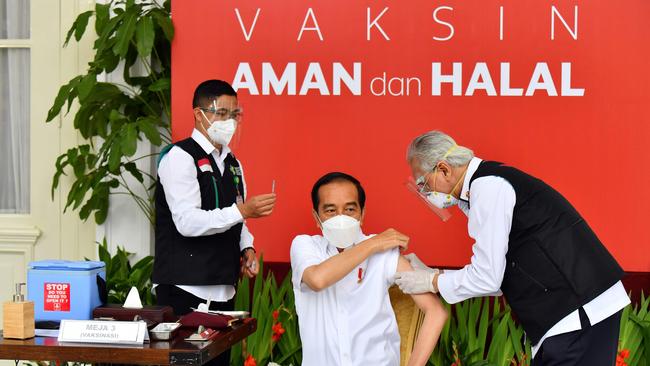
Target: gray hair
(433,147)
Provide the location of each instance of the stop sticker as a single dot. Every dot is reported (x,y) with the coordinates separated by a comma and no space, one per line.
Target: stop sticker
(56,297)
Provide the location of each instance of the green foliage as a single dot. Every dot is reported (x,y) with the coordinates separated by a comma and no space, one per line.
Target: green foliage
(635,332)
(121,275)
(266,298)
(114,117)
(479,333)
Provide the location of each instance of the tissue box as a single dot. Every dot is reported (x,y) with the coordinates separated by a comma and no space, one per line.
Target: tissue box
(150,313)
(65,289)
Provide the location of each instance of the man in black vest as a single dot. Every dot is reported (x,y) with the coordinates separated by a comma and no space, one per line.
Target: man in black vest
(202,243)
(531,245)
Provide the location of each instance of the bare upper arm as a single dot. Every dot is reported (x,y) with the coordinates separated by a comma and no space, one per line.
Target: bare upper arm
(310,278)
(426,301)
(403,265)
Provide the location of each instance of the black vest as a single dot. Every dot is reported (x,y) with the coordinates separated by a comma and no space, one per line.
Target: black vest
(555,262)
(202,260)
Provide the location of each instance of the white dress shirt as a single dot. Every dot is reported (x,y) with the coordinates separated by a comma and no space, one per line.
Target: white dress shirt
(350,322)
(492,201)
(177,172)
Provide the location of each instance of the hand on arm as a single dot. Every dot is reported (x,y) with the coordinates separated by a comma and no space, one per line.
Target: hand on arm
(435,317)
(330,271)
(419,278)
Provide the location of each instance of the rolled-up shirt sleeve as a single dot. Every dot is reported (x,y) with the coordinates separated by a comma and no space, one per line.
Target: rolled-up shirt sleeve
(304,254)
(492,201)
(177,173)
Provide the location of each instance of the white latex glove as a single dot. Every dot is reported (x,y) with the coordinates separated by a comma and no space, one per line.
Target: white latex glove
(417,263)
(415,282)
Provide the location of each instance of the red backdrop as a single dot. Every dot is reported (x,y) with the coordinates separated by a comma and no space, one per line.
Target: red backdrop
(592,148)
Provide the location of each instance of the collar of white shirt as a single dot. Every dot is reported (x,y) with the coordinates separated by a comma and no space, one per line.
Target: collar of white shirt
(471,169)
(207,146)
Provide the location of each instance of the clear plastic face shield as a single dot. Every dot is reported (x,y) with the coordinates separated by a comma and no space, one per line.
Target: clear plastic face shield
(220,117)
(420,190)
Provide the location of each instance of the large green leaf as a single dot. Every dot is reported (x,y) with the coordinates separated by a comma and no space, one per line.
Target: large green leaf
(101,194)
(114,159)
(125,33)
(86,85)
(78,27)
(129,140)
(60,164)
(106,40)
(144,35)
(164,22)
(501,351)
(135,172)
(101,17)
(61,97)
(148,126)
(160,84)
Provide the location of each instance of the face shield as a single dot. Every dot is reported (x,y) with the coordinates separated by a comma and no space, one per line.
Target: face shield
(221,120)
(419,189)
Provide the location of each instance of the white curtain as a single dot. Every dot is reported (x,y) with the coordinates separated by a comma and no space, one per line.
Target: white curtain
(14,109)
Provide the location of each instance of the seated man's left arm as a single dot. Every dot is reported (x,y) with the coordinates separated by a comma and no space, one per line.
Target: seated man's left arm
(435,317)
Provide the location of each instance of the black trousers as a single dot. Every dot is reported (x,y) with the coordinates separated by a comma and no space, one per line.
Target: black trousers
(593,345)
(182,302)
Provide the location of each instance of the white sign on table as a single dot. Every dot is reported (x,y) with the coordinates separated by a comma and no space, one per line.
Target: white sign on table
(100,331)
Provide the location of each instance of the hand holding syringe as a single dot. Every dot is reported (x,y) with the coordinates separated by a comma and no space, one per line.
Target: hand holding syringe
(258,206)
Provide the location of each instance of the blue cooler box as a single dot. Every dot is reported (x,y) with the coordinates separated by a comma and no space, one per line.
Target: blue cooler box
(65,289)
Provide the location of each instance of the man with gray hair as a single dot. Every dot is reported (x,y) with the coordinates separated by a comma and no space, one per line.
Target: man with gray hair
(531,245)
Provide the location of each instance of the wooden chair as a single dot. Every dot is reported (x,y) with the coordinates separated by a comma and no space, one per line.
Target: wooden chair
(409,320)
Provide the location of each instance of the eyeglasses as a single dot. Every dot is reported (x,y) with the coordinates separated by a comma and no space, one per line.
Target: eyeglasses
(224,113)
(421,183)
(417,188)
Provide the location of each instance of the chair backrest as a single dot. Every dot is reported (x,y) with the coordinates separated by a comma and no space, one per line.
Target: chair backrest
(409,320)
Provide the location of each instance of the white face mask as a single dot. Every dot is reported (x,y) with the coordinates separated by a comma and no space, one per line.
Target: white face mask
(221,132)
(442,200)
(341,231)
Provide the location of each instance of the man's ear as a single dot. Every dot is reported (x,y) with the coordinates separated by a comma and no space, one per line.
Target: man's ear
(198,116)
(445,168)
(363,215)
(317,219)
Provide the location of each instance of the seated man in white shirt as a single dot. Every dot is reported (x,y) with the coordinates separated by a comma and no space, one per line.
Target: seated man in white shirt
(341,282)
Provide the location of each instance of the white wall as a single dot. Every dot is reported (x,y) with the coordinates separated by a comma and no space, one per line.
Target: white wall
(46,232)
(126,225)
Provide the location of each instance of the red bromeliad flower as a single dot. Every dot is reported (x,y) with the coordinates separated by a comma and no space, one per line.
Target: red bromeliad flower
(250,361)
(276,314)
(625,353)
(622,355)
(278,331)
